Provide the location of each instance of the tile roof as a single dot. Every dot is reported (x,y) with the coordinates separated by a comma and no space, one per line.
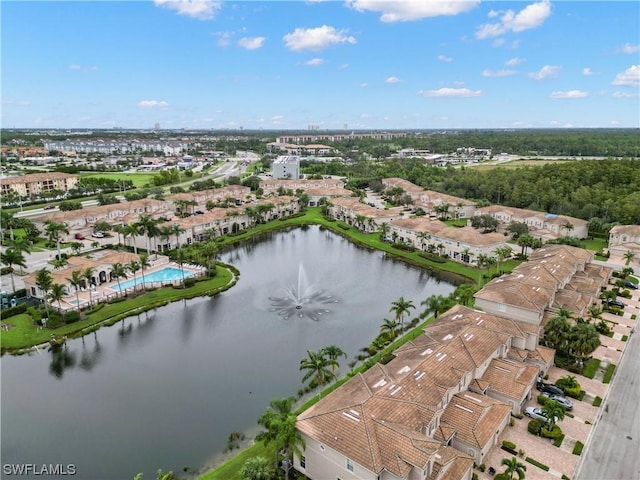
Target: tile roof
(632,230)
(510,378)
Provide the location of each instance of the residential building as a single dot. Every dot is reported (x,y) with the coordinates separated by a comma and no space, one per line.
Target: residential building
(35,184)
(286,167)
(337,137)
(362,216)
(623,239)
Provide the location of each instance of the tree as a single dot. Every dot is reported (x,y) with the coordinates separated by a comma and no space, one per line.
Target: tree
(76,280)
(118,270)
(22,245)
(132,230)
(11,257)
(149,228)
(552,410)
(177,230)
(144,263)
(401,307)
(389,328)
(133,267)
(556,333)
(525,241)
(54,230)
(384,229)
(583,340)
(514,468)
(44,280)
(464,293)
(76,247)
(567,227)
(435,304)
(502,253)
(56,294)
(87,274)
(628,257)
(333,352)
(318,369)
(517,229)
(256,468)
(279,420)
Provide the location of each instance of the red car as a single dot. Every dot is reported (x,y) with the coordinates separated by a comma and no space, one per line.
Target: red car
(79,236)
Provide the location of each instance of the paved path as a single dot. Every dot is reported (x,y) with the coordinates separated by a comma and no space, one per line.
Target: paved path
(613,449)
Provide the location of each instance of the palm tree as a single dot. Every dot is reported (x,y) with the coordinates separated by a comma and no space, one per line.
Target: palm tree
(11,257)
(256,468)
(525,241)
(466,255)
(149,228)
(389,328)
(568,227)
(181,257)
(583,340)
(177,230)
(628,257)
(423,237)
(144,263)
(44,280)
(502,253)
(132,230)
(401,307)
(56,294)
(22,245)
(76,280)
(435,304)
(464,293)
(53,231)
(552,410)
(514,468)
(76,247)
(133,267)
(164,233)
(333,352)
(118,270)
(317,366)
(279,420)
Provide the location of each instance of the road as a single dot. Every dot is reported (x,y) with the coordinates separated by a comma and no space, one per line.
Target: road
(613,450)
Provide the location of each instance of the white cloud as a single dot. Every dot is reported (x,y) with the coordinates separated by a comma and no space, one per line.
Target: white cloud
(624,95)
(569,94)
(629,49)
(512,62)
(224,38)
(408,10)
(629,78)
(498,73)
(587,72)
(343,66)
(531,16)
(153,104)
(498,42)
(277,118)
(80,68)
(314,62)
(392,80)
(250,43)
(20,103)
(315,38)
(445,59)
(451,92)
(548,71)
(200,9)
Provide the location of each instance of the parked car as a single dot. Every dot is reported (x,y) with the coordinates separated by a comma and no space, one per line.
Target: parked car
(199,212)
(79,236)
(550,388)
(49,207)
(561,399)
(97,235)
(629,284)
(537,414)
(613,303)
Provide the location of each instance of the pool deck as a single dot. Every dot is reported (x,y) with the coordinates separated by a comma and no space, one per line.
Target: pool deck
(109,290)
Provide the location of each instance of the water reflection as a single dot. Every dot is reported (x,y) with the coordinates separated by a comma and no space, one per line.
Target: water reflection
(61,360)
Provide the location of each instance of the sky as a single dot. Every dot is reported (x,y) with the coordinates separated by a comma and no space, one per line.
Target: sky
(355,64)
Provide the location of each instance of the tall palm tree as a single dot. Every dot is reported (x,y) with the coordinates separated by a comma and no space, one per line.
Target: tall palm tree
(76,280)
(11,257)
(318,369)
(279,420)
(56,294)
(568,227)
(333,352)
(44,280)
(118,270)
(132,230)
(435,304)
(389,328)
(628,257)
(401,307)
(514,468)
(525,241)
(54,230)
(502,253)
(149,228)
(164,232)
(464,293)
(22,245)
(583,340)
(133,267)
(256,468)
(177,230)
(144,263)
(552,410)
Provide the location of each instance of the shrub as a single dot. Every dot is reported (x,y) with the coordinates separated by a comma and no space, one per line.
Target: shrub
(625,338)
(117,300)
(432,257)
(510,450)
(577,448)
(519,416)
(35,314)
(502,476)
(482,467)
(608,374)
(508,444)
(535,426)
(537,464)
(402,246)
(6,270)
(555,432)
(591,367)
(72,316)
(542,400)
(343,226)
(189,282)
(572,392)
(20,293)
(597,402)
(558,441)
(474,476)
(10,312)
(634,316)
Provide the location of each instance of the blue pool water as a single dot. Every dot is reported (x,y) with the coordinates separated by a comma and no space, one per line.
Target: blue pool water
(167,274)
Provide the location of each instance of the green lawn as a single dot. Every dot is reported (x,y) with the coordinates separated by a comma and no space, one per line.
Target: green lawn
(595,244)
(25,334)
(138,179)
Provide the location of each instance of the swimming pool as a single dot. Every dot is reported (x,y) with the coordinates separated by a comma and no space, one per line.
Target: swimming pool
(167,274)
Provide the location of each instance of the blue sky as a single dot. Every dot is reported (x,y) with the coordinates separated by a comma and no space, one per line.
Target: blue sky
(364,64)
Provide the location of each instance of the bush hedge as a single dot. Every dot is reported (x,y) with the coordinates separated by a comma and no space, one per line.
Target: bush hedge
(597,402)
(508,444)
(535,426)
(608,374)
(537,464)
(432,257)
(555,432)
(577,448)
(10,312)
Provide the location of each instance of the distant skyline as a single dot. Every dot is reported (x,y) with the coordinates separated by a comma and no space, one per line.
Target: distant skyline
(355,64)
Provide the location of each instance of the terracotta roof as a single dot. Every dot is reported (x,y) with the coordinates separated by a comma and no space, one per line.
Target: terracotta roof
(36,177)
(420,224)
(632,230)
(510,378)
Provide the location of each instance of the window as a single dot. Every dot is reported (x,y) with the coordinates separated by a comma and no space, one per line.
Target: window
(303,462)
(350,465)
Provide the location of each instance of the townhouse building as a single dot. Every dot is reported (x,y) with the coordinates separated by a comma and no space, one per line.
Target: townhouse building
(189,202)
(365,218)
(625,238)
(35,184)
(545,226)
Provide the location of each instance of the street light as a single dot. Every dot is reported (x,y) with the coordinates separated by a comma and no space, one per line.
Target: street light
(286,466)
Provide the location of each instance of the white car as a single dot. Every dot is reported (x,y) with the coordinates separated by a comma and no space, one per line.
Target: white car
(537,414)
(97,235)
(561,399)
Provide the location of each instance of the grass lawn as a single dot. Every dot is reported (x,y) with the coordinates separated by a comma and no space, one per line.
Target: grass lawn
(138,179)
(595,244)
(25,334)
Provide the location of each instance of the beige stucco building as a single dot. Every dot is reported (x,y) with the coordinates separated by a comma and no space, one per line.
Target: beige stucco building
(35,184)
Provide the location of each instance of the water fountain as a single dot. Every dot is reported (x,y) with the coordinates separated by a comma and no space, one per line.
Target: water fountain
(304,300)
